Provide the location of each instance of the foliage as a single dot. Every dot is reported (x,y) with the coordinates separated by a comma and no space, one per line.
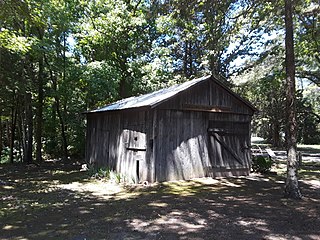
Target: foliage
(71,56)
(106,174)
(5,156)
(309,116)
(266,91)
(261,79)
(261,164)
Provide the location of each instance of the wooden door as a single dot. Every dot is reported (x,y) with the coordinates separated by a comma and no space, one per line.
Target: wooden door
(229,144)
(135,147)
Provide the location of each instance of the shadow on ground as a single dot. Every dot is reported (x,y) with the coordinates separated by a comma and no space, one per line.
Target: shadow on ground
(34,206)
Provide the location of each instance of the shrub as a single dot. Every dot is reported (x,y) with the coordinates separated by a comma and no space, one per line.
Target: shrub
(261,164)
(105,173)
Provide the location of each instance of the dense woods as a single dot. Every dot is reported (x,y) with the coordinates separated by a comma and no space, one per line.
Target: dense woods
(59,59)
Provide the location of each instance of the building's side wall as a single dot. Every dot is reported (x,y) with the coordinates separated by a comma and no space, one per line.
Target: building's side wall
(132,147)
(118,140)
(98,138)
(185,146)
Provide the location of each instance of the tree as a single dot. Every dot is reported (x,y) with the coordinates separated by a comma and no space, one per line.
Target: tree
(70,56)
(292,186)
(308,41)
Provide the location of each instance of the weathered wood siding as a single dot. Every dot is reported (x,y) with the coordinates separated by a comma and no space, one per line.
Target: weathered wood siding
(181,145)
(98,137)
(229,144)
(188,144)
(202,131)
(118,140)
(207,94)
(223,137)
(133,146)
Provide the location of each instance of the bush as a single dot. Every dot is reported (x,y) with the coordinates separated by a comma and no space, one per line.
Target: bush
(105,173)
(261,164)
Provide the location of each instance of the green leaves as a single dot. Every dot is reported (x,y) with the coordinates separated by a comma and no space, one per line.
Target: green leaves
(15,43)
(99,81)
(90,53)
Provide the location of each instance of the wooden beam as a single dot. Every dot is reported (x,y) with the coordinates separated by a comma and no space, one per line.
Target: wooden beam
(136,149)
(232,132)
(226,146)
(207,108)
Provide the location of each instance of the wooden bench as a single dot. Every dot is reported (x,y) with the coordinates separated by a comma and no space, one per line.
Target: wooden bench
(263,152)
(271,153)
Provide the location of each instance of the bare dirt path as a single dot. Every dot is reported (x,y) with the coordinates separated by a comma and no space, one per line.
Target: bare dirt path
(59,202)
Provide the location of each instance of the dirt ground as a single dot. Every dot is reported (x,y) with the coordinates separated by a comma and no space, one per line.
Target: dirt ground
(57,201)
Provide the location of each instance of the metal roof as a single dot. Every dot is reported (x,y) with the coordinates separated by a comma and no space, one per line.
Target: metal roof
(155,98)
(150,99)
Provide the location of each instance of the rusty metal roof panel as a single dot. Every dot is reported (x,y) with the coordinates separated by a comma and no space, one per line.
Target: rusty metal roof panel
(151,99)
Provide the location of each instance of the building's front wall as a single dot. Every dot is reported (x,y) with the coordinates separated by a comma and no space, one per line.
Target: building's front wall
(229,144)
(207,94)
(194,141)
(181,146)
(191,144)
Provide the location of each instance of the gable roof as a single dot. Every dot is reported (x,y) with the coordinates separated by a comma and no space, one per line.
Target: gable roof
(155,98)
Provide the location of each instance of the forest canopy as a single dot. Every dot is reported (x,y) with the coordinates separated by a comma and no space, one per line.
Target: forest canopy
(59,59)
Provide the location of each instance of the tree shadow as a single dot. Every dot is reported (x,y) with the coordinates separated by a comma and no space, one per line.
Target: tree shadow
(235,208)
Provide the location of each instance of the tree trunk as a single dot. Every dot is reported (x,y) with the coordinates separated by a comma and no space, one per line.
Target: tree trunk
(276,134)
(7,143)
(122,88)
(28,129)
(0,138)
(13,130)
(63,133)
(292,187)
(58,111)
(61,118)
(20,133)
(38,132)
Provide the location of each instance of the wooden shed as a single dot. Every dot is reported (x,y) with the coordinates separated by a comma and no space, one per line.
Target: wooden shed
(195,129)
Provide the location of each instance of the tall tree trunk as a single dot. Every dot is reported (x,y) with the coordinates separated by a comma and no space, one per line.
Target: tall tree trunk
(276,133)
(28,128)
(38,132)
(292,187)
(185,60)
(61,120)
(63,132)
(8,133)
(58,111)
(122,88)
(1,133)
(20,133)
(13,130)
(39,113)
(125,84)
(0,138)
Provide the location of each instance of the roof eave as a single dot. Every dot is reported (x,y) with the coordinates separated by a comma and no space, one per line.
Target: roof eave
(118,110)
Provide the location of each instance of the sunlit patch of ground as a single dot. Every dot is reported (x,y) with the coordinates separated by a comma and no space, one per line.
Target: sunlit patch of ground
(60,202)
(96,188)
